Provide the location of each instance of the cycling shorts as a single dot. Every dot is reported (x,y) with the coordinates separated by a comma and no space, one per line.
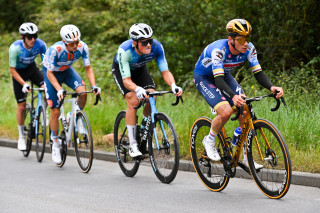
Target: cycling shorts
(213,96)
(31,73)
(140,77)
(69,76)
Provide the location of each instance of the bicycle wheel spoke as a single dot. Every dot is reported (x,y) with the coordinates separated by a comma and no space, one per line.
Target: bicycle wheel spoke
(41,134)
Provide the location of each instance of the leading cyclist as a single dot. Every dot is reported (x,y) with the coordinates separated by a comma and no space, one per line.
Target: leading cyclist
(58,69)
(133,78)
(215,83)
(22,54)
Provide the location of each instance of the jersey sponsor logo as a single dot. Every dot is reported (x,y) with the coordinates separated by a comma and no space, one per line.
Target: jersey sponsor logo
(206,62)
(229,55)
(211,86)
(58,49)
(238,90)
(223,98)
(206,90)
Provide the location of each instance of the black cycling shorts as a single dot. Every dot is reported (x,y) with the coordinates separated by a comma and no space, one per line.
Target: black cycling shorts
(140,77)
(31,73)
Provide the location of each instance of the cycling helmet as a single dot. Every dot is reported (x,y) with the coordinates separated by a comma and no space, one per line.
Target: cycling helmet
(238,27)
(140,31)
(28,28)
(70,33)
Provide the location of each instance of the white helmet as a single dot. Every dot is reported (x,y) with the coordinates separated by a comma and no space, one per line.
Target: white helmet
(28,28)
(70,33)
(140,31)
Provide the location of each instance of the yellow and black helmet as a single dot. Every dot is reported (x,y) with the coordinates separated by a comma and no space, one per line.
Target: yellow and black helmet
(239,27)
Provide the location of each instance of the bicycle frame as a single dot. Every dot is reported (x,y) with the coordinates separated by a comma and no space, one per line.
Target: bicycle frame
(40,103)
(68,128)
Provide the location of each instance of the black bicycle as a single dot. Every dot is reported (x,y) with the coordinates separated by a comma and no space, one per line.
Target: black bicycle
(35,126)
(158,141)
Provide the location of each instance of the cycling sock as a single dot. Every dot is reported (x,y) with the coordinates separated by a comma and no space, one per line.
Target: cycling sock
(212,136)
(132,130)
(54,137)
(21,134)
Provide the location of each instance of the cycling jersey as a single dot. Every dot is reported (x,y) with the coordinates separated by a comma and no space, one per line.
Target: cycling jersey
(57,57)
(21,58)
(129,61)
(216,59)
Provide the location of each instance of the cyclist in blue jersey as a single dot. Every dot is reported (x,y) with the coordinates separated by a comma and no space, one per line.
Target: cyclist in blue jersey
(57,70)
(133,78)
(215,83)
(22,54)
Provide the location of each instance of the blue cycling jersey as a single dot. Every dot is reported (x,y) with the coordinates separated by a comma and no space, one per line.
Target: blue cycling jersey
(217,60)
(20,57)
(129,60)
(58,58)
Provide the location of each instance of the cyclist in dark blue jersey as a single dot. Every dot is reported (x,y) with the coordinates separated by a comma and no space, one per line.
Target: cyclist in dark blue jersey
(22,54)
(215,83)
(132,76)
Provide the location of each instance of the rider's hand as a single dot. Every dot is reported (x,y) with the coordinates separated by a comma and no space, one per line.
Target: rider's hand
(96,90)
(238,101)
(274,90)
(26,88)
(141,93)
(176,90)
(60,94)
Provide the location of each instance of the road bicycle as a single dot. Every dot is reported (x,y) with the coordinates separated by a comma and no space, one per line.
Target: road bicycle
(77,125)
(35,124)
(264,145)
(158,141)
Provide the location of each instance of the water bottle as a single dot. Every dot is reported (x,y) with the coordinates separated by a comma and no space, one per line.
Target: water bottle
(143,123)
(236,134)
(68,118)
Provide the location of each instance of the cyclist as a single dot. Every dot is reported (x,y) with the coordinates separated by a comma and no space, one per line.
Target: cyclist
(22,54)
(57,70)
(215,83)
(133,78)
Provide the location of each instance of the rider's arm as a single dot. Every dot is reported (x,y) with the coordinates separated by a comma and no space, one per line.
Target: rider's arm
(16,76)
(223,86)
(263,79)
(129,84)
(90,75)
(53,80)
(168,77)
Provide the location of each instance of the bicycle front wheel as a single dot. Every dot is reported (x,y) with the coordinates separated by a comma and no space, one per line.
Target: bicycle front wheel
(41,134)
(211,173)
(128,165)
(83,142)
(28,128)
(269,149)
(163,147)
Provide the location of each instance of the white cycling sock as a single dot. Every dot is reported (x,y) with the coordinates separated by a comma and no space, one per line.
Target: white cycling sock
(132,130)
(21,129)
(211,138)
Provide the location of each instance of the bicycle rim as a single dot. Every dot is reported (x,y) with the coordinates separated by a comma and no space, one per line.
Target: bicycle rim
(83,142)
(128,165)
(211,173)
(40,144)
(164,158)
(275,177)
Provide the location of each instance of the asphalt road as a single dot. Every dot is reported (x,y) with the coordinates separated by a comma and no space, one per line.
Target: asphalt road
(29,186)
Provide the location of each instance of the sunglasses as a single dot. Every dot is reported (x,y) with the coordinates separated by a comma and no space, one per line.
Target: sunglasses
(73,44)
(243,40)
(30,36)
(146,42)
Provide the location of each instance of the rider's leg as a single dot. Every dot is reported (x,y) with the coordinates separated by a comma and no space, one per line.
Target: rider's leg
(131,120)
(54,126)
(82,100)
(20,118)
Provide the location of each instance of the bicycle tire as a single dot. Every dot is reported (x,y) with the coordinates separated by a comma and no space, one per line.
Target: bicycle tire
(40,144)
(128,165)
(27,130)
(211,173)
(63,148)
(274,178)
(165,159)
(83,142)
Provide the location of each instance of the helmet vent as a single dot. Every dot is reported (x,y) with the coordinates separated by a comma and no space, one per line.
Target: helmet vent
(146,29)
(142,32)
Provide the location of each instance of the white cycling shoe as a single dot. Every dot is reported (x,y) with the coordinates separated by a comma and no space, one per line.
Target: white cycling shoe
(256,165)
(134,151)
(56,155)
(81,127)
(22,144)
(211,150)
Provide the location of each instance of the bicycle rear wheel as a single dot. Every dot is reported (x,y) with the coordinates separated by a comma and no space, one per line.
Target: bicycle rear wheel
(275,177)
(83,142)
(63,147)
(128,165)
(165,158)
(28,128)
(41,134)
(211,173)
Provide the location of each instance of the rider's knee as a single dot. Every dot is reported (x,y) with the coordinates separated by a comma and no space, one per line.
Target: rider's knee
(22,107)
(132,99)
